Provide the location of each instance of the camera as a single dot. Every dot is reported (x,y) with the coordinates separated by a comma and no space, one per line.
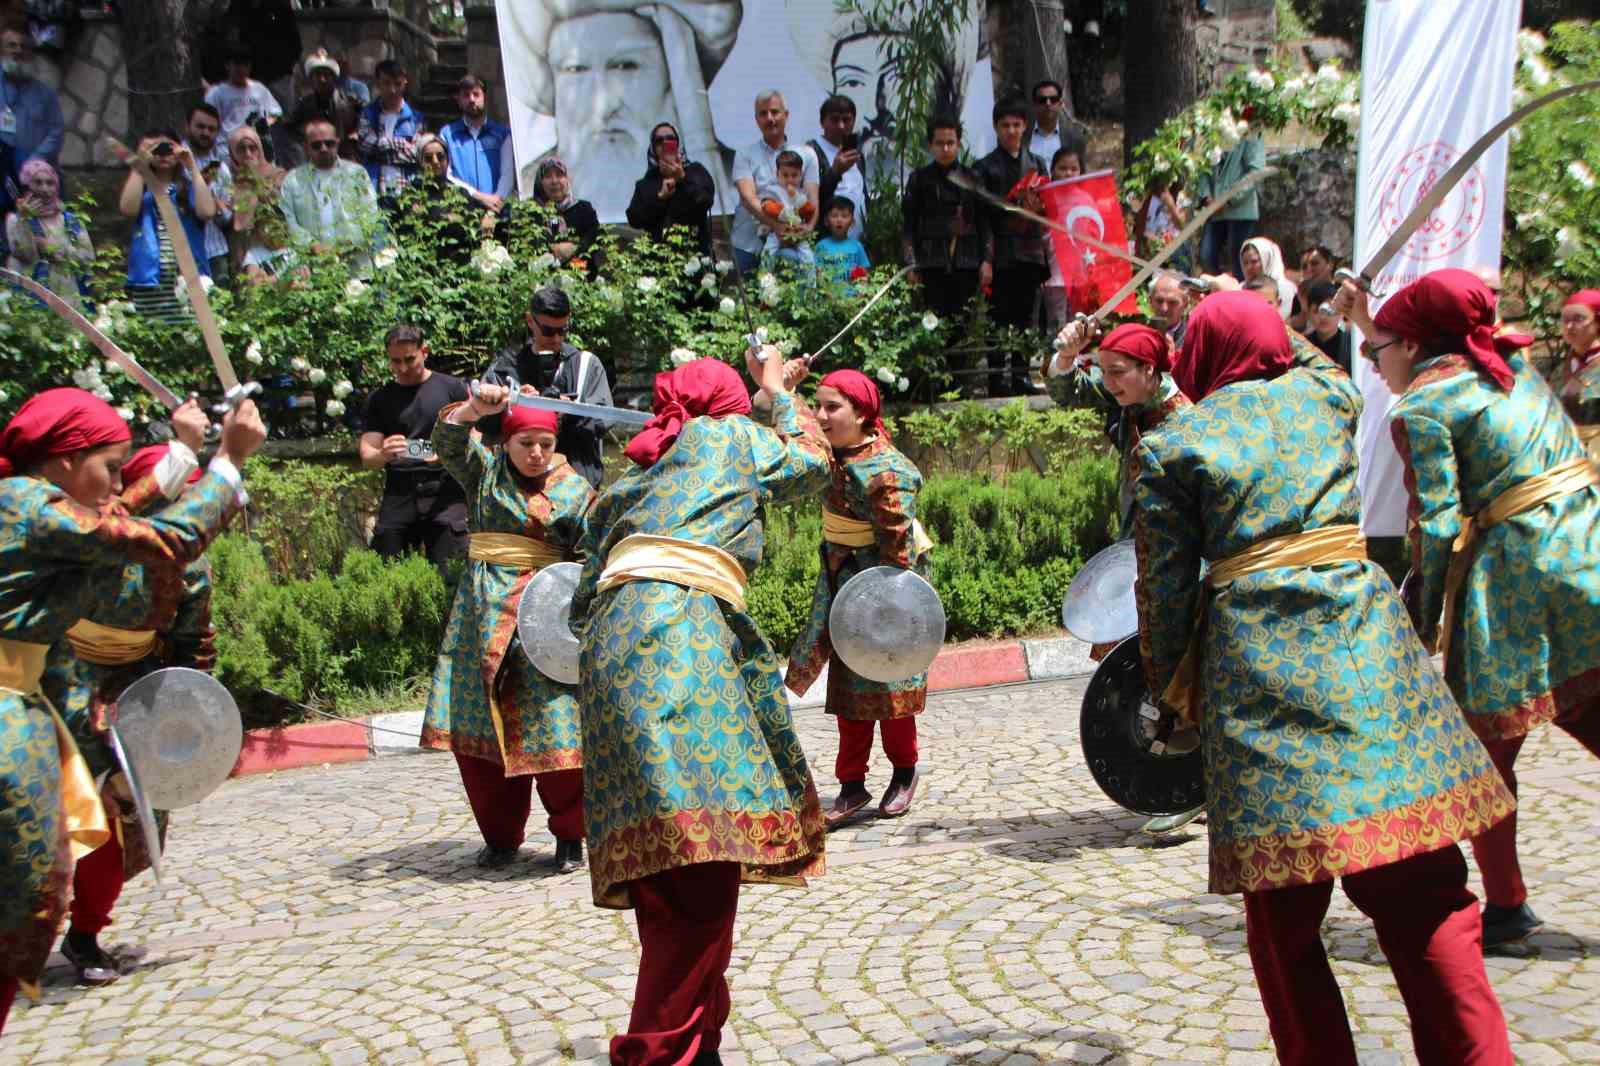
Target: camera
(416,448)
(163,149)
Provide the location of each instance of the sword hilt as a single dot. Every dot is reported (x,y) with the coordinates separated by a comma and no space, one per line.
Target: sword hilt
(237,395)
(1200,285)
(1360,281)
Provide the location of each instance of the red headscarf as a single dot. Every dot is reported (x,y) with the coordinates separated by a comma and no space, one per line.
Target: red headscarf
(1589,298)
(1141,344)
(1447,304)
(144,461)
(863,395)
(703,387)
(520,418)
(58,422)
(1231,337)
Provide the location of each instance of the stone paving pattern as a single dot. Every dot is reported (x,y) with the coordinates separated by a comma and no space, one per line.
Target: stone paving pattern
(333,916)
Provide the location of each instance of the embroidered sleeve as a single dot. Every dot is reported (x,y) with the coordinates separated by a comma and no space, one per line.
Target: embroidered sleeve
(192,636)
(1434,510)
(462,457)
(1167,537)
(177,534)
(892,506)
(792,461)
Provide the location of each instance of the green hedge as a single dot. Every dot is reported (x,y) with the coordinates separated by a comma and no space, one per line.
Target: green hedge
(1007,550)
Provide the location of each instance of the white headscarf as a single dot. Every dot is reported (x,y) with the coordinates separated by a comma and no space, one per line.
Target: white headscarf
(1272,266)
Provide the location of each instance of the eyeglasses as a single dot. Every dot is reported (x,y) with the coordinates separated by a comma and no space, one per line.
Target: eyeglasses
(323,144)
(1051,98)
(551,331)
(1371,350)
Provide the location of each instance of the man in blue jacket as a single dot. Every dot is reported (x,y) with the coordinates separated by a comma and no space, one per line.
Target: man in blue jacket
(30,117)
(479,147)
(386,139)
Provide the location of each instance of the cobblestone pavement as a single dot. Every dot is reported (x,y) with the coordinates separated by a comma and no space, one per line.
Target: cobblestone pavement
(334,916)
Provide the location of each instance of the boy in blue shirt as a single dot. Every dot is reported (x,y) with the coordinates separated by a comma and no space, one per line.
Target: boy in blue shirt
(840,257)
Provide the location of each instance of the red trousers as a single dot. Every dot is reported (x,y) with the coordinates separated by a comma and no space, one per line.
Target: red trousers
(8,994)
(681,1002)
(1429,929)
(501,804)
(1496,850)
(96,885)
(855,746)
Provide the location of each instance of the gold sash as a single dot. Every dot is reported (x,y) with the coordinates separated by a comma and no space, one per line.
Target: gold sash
(21,667)
(1314,547)
(854,533)
(1561,480)
(512,549)
(109,645)
(646,557)
(1590,435)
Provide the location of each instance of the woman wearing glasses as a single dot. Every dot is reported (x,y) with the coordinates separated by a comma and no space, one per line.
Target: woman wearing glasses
(437,213)
(250,189)
(675,190)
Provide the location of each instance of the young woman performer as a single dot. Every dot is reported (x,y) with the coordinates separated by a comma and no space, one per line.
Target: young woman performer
(694,775)
(510,727)
(869,518)
(60,465)
(1577,378)
(1332,747)
(158,615)
(1505,521)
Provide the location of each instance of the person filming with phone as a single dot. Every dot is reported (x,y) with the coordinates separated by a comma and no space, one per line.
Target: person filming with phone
(839,160)
(152,263)
(675,191)
(423,508)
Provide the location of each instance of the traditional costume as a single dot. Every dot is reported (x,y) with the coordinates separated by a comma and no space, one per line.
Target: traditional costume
(869,518)
(1505,538)
(1332,748)
(694,774)
(156,615)
(1577,380)
(52,554)
(510,727)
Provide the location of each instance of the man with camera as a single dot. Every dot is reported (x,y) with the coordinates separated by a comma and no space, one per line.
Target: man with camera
(839,160)
(422,508)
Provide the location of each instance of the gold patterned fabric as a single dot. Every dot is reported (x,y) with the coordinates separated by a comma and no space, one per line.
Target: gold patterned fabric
(513,550)
(105,645)
(646,557)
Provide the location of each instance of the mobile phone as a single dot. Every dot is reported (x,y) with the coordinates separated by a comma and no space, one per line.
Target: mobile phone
(669,151)
(852,141)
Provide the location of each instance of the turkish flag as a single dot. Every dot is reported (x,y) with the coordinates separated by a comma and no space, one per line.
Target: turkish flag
(1088,205)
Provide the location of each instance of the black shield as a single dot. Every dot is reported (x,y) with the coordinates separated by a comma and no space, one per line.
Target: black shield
(1124,741)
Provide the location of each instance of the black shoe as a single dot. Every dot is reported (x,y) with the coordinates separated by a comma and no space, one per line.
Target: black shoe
(89,959)
(706,1058)
(1504,925)
(569,856)
(492,858)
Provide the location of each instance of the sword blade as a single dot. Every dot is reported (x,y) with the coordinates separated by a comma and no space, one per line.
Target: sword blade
(141,803)
(902,272)
(1452,177)
(620,415)
(108,347)
(966,181)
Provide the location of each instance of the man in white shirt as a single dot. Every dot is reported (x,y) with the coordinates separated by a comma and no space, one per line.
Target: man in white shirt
(211,156)
(1044,138)
(241,97)
(839,160)
(755,166)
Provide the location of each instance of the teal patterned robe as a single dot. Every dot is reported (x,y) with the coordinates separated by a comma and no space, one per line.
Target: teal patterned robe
(1331,744)
(482,654)
(1526,643)
(690,754)
(872,482)
(55,558)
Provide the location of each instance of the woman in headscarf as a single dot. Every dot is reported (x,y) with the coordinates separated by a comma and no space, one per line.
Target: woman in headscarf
(675,190)
(1332,747)
(251,185)
(869,518)
(1577,377)
(49,243)
(1505,537)
(60,466)
(694,776)
(574,225)
(1260,257)
(435,214)
(509,726)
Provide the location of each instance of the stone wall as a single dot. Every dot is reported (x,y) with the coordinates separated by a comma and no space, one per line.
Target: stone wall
(1312,200)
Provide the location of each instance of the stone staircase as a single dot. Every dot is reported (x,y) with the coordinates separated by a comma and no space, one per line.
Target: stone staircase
(437,94)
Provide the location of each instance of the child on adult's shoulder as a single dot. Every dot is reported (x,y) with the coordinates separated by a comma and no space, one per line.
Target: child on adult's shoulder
(840,257)
(785,200)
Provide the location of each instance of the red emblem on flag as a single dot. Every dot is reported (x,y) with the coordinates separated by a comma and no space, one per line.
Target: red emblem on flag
(1088,205)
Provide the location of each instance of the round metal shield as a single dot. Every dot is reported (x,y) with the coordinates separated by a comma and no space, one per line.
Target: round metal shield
(886,624)
(544,622)
(1099,606)
(1136,752)
(182,733)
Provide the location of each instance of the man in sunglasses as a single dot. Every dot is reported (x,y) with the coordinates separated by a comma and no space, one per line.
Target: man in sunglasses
(1044,136)
(329,203)
(554,367)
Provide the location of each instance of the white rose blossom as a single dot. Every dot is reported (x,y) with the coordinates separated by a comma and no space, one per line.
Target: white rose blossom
(1579,172)
(545,261)
(767,281)
(102,393)
(386,257)
(354,288)
(342,388)
(680,356)
(709,283)
(1567,243)
(252,353)
(930,321)
(770,297)
(317,375)
(1214,156)
(727,306)
(333,409)
(724,266)
(1261,79)
(1538,73)
(1349,114)
(691,266)
(125,413)
(886,374)
(1529,43)
(299,365)
(647,284)
(902,384)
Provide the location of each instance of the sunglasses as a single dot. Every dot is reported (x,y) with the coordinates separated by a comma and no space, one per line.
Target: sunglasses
(432,157)
(551,331)
(323,144)
(1049,99)
(665,140)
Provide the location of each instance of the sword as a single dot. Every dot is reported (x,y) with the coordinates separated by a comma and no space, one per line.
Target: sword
(620,415)
(1451,178)
(233,391)
(141,803)
(966,181)
(108,347)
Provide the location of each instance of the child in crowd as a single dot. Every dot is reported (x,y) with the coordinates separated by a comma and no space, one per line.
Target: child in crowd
(786,201)
(840,257)
(1066,163)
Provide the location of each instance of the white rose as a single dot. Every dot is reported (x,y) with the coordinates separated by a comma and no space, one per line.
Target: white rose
(125,413)
(102,393)
(386,257)
(354,288)
(1349,114)
(886,375)
(902,384)
(1295,85)
(317,375)
(1214,156)
(767,281)
(770,297)
(545,261)
(1538,73)
(647,284)
(1327,74)
(341,389)
(727,306)
(680,356)
(1261,79)
(299,365)
(333,409)
(252,353)
(1567,243)
(930,321)
(709,283)
(724,266)
(1579,171)
(1529,42)
(691,266)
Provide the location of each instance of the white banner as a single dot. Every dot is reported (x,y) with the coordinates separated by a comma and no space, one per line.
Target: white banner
(587,79)
(1434,78)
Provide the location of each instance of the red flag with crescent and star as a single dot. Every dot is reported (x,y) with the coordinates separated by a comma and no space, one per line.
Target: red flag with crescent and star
(1088,205)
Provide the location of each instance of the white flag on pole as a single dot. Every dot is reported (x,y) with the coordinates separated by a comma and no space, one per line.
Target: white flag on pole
(1434,78)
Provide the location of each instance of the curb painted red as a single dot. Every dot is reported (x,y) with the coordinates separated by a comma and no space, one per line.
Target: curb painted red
(320,743)
(291,747)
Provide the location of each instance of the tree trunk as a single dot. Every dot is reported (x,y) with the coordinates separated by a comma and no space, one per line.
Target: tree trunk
(1085,56)
(1029,47)
(159,39)
(1160,68)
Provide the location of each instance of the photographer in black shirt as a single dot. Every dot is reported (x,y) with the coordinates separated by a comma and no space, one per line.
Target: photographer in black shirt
(422,508)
